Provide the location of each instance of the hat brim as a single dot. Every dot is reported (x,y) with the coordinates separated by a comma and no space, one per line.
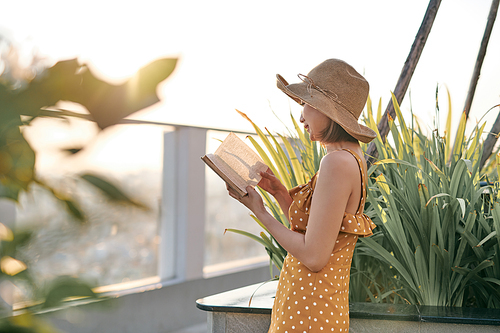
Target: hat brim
(299,92)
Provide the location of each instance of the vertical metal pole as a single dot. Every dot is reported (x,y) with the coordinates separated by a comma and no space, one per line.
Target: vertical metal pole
(406,74)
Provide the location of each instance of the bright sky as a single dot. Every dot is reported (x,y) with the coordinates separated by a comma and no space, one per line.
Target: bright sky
(230,51)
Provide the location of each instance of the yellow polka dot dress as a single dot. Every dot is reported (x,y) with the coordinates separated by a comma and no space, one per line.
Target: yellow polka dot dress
(318,302)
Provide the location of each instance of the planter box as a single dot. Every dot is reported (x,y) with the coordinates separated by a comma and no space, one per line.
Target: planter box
(248,310)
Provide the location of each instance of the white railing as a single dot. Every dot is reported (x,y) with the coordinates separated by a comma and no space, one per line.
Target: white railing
(182,232)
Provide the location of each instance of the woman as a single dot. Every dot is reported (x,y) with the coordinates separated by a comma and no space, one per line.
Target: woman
(326,215)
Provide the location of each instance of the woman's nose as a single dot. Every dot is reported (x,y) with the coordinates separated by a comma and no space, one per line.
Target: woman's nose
(302,118)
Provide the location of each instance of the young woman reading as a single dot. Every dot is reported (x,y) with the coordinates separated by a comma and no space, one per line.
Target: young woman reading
(326,214)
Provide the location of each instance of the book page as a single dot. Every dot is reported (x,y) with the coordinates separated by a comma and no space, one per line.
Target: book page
(240,158)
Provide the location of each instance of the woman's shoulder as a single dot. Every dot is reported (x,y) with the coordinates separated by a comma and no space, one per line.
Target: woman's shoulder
(340,160)
(339,167)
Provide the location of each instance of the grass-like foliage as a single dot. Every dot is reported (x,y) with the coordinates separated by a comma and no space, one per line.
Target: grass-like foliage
(437,225)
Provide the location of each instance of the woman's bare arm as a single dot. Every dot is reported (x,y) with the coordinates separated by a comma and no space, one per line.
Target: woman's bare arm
(337,177)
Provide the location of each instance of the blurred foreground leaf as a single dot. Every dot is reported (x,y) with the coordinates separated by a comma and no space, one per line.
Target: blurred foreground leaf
(110,190)
(71,205)
(17,162)
(25,323)
(67,80)
(65,287)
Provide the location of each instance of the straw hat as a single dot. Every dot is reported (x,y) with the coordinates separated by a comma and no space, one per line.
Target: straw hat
(335,89)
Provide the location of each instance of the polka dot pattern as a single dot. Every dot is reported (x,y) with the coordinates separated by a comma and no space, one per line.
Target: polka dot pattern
(309,301)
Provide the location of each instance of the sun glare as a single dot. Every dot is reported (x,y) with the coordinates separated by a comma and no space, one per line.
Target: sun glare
(117,68)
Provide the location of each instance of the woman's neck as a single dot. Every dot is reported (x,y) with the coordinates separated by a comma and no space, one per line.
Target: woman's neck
(334,146)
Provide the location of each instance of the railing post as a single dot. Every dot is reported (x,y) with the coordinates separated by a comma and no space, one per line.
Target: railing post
(182,229)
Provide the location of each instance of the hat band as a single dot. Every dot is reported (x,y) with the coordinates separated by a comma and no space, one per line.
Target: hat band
(329,94)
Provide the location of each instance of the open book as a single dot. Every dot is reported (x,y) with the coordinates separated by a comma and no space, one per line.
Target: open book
(236,163)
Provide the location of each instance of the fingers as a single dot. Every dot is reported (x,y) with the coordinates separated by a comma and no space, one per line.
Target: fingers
(232,193)
(267,175)
(235,195)
(251,194)
(250,189)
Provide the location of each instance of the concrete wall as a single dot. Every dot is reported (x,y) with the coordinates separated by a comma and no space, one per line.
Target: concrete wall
(227,322)
(156,311)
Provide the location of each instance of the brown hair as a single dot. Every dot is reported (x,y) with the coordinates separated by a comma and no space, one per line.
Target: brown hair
(335,133)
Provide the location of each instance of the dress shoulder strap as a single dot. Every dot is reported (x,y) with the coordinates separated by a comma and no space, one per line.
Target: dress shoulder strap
(363,180)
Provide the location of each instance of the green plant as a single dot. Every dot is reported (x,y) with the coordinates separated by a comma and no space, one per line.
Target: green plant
(36,92)
(437,225)
(437,214)
(30,92)
(25,323)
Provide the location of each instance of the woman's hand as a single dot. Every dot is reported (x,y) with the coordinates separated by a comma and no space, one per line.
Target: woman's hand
(270,183)
(252,200)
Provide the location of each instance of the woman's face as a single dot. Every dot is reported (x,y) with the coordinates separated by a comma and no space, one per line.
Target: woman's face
(314,122)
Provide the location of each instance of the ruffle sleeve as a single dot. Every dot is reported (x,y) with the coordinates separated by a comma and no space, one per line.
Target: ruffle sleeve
(302,196)
(301,204)
(357,224)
